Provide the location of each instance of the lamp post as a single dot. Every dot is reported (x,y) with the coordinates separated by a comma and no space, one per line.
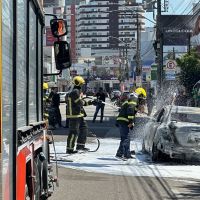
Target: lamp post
(125,57)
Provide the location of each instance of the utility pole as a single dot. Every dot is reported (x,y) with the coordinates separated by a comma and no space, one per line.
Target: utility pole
(126,68)
(123,71)
(159,48)
(138,49)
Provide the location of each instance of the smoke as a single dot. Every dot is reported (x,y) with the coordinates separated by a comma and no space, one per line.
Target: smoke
(164,98)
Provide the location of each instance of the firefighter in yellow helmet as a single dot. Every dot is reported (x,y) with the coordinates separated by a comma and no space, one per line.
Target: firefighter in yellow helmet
(125,121)
(78,128)
(142,95)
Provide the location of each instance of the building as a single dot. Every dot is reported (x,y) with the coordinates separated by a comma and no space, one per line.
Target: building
(106,28)
(71,2)
(109,25)
(53,3)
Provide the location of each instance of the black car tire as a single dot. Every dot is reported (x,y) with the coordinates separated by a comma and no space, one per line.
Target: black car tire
(37,188)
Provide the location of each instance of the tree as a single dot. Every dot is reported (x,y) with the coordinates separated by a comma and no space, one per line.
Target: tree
(190,70)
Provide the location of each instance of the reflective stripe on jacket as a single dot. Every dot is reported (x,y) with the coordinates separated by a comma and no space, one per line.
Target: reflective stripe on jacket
(75,105)
(127,112)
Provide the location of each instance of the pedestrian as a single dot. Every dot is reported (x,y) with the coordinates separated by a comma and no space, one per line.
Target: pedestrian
(75,114)
(101,97)
(125,121)
(55,103)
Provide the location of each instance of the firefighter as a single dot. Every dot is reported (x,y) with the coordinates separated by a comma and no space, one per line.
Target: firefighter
(125,121)
(75,113)
(54,116)
(141,93)
(45,101)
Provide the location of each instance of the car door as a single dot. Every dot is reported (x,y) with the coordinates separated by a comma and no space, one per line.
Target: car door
(148,129)
(158,121)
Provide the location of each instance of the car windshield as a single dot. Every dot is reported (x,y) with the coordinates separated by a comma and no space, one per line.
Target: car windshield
(185,114)
(186,117)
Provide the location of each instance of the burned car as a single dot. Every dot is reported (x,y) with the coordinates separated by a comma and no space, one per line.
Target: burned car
(173,131)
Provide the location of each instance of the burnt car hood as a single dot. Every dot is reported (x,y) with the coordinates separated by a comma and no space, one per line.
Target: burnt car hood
(187,134)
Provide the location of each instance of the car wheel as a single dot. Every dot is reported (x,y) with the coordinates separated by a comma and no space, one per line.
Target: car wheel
(155,156)
(37,185)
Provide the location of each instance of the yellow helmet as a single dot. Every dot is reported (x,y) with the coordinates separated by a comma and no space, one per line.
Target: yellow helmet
(45,86)
(78,81)
(141,92)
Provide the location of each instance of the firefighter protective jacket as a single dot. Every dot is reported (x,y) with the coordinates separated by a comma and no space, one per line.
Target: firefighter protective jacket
(127,112)
(75,105)
(45,106)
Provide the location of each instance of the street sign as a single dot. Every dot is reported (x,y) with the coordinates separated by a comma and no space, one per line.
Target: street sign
(148,77)
(171,65)
(170,75)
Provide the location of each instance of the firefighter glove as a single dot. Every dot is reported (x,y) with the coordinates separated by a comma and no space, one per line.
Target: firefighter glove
(131,126)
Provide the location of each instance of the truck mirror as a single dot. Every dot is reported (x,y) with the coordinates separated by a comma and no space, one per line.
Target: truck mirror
(62,55)
(58,27)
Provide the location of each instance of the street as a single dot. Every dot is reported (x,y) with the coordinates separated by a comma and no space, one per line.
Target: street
(100,175)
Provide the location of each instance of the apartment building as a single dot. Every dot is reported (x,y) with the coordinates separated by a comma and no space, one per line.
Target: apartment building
(106,26)
(53,3)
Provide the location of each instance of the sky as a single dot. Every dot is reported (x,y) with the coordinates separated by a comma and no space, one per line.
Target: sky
(182,7)
(104,161)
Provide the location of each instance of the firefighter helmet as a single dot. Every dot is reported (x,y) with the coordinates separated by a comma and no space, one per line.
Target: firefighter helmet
(132,96)
(78,81)
(141,92)
(45,86)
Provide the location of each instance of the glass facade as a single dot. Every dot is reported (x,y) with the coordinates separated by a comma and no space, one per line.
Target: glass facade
(7,99)
(21,63)
(39,69)
(32,65)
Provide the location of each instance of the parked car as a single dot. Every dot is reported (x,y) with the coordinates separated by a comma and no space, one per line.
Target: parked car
(115,94)
(173,131)
(90,92)
(62,96)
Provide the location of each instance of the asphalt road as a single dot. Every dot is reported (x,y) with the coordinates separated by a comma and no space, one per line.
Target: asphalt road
(81,185)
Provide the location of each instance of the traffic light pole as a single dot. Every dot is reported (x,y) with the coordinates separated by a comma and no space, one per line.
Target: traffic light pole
(159,39)
(138,58)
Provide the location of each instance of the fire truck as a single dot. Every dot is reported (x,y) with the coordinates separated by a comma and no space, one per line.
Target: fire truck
(25,163)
